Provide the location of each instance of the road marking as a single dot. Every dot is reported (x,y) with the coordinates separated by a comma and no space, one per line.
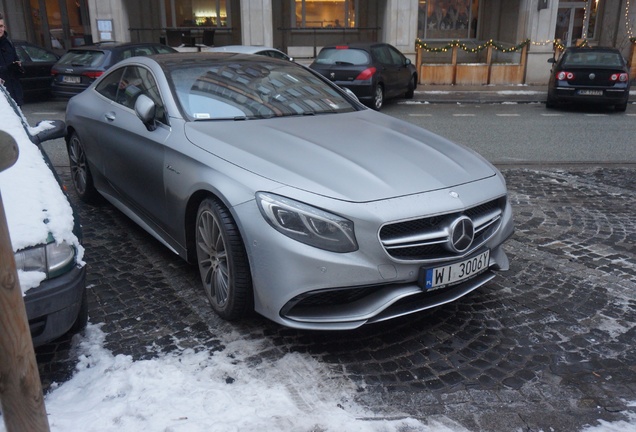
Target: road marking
(596,115)
(507,115)
(421,115)
(552,115)
(463,115)
(631,115)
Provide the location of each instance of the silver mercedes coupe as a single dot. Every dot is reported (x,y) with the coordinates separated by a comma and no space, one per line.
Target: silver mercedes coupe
(293,199)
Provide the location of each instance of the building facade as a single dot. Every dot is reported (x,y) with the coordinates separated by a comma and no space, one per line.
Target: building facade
(301,27)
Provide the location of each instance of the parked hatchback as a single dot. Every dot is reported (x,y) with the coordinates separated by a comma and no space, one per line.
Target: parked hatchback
(45,232)
(373,71)
(80,66)
(37,63)
(589,76)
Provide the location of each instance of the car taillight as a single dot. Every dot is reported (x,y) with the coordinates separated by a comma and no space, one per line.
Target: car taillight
(342,47)
(366,74)
(563,75)
(622,77)
(93,75)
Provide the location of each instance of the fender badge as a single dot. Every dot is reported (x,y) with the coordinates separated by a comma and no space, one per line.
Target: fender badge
(454,194)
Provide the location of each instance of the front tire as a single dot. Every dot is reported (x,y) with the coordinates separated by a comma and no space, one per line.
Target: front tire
(410,92)
(222,262)
(80,172)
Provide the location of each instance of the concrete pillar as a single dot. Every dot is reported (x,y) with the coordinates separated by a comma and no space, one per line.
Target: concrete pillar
(541,25)
(400,25)
(109,10)
(256,22)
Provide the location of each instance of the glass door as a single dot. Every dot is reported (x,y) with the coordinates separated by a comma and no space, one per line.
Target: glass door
(575,21)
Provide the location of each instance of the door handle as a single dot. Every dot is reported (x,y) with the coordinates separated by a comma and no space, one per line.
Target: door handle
(110,116)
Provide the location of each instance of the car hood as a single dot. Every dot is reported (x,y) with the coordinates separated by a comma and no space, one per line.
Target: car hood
(359,157)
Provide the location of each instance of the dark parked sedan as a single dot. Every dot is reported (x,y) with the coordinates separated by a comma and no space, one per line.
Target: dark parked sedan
(37,63)
(291,197)
(589,76)
(80,66)
(372,71)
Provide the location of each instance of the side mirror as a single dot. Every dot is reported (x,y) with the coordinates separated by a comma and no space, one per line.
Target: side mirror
(8,151)
(551,60)
(408,61)
(145,109)
(58,130)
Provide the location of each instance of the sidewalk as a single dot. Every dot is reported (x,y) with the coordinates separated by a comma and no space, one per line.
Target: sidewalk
(480,94)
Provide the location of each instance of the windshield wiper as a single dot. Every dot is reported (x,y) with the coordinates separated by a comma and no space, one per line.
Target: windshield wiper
(235,118)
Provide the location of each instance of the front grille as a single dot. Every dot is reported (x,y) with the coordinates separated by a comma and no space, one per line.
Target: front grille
(427,238)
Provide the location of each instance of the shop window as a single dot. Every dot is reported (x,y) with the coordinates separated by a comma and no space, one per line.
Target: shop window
(447,19)
(576,21)
(324,13)
(195,13)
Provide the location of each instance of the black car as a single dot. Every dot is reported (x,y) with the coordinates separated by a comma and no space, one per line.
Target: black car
(45,231)
(589,76)
(372,71)
(37,63)
(80,66)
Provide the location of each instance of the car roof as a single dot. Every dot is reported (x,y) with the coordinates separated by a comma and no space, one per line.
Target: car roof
(245,49)
(356,45)
(592,49)
(111,46)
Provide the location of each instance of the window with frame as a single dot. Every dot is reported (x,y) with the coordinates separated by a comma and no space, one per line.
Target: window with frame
(448,19)
(327,14)
(198,13)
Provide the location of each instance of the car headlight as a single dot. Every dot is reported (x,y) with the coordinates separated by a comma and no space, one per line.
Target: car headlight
(53,259)
(307,224)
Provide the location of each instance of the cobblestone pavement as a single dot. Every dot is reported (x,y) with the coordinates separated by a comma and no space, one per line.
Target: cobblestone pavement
(548,345)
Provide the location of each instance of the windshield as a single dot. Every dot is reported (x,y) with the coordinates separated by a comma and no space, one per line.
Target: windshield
(247,89)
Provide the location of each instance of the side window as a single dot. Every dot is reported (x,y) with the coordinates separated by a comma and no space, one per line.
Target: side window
(164,50)
(126,54)
(109,86)
(381,54)
(397,57)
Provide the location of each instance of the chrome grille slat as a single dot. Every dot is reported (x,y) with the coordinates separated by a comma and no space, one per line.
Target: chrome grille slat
(424,239)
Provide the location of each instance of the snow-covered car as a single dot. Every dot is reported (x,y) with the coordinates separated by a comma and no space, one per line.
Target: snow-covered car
(45,232)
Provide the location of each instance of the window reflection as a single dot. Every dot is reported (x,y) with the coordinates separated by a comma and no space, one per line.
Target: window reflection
(325,13)
(191,13)
(448,19)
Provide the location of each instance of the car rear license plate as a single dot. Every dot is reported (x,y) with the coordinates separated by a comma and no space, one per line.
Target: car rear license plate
(591,92)
(451,274)
(71,79)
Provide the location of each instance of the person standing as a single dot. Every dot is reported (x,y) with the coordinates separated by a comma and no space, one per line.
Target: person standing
(10,65)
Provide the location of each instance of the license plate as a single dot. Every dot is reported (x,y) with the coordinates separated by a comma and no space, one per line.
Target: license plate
(591,92)
(71,79)
(451,274)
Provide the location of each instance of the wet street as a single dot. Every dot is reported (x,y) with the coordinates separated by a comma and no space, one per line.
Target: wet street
(548,345)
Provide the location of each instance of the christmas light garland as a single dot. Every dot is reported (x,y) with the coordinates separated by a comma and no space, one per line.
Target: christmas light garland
(458,44)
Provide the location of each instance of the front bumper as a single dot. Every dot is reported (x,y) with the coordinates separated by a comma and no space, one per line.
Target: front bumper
(54,305)
(294,284)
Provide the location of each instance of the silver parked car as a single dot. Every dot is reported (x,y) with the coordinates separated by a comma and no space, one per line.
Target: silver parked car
(293,198)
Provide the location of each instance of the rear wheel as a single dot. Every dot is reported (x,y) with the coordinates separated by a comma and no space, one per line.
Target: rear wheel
(550,103)
(378,97)
(80,173)
(621,107)
(222,261)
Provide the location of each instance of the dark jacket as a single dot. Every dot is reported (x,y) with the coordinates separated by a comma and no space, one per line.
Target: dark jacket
(9,71)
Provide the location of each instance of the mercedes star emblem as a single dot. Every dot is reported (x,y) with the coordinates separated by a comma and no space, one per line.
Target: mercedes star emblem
(462,233)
